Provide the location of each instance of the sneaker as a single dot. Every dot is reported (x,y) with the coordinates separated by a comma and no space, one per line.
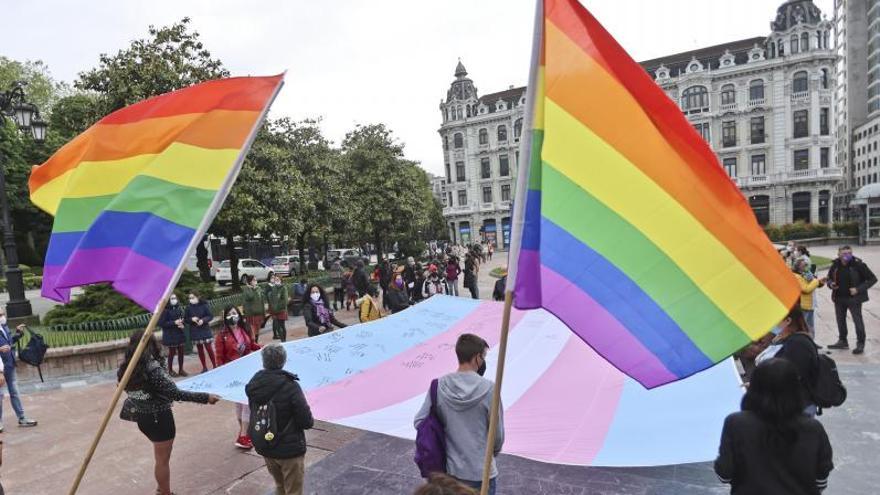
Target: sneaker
(244,442)
(182,373)
(26,422)
(860,349)
(840,344)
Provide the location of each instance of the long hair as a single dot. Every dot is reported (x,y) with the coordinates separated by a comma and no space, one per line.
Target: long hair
(320,291)
(226,325)
(151,352)
(775,395)
(796,315)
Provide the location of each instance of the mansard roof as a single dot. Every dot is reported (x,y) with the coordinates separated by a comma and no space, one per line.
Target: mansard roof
(708,56)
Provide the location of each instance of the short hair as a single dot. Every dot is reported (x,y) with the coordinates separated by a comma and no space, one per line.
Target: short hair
(274,356)
(443,484)
(468,346)
(845,247)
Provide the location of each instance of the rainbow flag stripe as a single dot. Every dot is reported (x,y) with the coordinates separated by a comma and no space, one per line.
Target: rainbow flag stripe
(131,193)
(627,228)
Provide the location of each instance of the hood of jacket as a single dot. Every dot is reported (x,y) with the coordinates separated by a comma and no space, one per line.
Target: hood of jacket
(266,383)
(464,390)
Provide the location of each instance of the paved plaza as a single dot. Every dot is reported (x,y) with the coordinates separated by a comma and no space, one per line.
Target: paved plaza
(342,460)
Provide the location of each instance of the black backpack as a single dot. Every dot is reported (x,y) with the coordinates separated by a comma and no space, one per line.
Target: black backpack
(263,428)
(34,352)
(829,390)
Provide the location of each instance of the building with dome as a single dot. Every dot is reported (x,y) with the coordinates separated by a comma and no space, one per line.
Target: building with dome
(764,104)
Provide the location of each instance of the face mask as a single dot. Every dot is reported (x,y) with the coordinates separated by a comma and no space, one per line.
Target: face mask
(398,282)
(2,320)
(847,257)
(482,369)
(193,300)
(233,318)
(315,297)
(173,301)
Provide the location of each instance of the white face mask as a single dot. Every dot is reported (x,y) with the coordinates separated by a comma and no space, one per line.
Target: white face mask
(315,296)
(232,317)
(3,320)
(173,301)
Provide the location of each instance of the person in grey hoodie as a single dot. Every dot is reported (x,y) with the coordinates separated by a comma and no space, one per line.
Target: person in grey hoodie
(463,402)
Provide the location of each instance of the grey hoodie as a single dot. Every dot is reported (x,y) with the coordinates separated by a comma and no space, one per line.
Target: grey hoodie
(463,403)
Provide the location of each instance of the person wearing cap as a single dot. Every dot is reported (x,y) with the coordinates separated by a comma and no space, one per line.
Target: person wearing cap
(500,284)
(434,283)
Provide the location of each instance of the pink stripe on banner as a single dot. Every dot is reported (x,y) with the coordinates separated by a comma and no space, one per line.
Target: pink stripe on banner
(574,401)
(388,383)
(597,327)
(139,278)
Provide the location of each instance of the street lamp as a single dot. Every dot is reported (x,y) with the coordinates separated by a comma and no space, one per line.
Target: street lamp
(14,105)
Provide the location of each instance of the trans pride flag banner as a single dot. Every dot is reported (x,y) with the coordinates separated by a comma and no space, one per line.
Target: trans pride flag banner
(563,403)
(625,226)
(133,194)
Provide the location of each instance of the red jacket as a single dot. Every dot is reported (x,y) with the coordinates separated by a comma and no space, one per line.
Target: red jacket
(226,347)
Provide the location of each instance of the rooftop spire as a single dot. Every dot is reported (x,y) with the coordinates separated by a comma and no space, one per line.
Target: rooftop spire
(460,71)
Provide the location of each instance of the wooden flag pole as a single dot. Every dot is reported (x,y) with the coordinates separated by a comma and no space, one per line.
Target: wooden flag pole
(496,394)
(132,363)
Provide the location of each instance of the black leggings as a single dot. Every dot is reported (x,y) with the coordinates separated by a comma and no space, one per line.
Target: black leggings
(158,427)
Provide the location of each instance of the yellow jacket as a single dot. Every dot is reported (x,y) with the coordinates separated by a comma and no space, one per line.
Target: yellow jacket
(368,310)
(807,289)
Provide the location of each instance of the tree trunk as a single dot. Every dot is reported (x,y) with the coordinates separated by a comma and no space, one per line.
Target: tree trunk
(202,261)
(233,264)
(377,240)
(301,247)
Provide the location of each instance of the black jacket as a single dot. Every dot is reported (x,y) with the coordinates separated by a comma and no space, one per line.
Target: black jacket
(290,405)
(800,350)
(360,281)
(749,460)
(855,274)
(199,310)
(310,315)
(397,299)
(498,293)
(169,315)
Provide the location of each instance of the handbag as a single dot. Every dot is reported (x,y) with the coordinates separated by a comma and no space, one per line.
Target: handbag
(128,412)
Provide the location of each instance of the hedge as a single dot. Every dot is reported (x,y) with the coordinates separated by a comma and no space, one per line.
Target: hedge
(797,230)
(846,229)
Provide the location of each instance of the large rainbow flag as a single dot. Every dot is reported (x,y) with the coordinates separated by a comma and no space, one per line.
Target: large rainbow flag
(133,194)
(625,226)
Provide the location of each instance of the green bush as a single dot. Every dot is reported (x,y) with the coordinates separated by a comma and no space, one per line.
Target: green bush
(797,230)
(66,339)
(847,229)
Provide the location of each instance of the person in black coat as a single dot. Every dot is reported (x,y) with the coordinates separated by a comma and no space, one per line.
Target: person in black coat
(284,455)
(360,279)
(172,323)
(770,446)
(500,285)
(799,349)
(397,296)
(198,316)
(849,279)
(317,314)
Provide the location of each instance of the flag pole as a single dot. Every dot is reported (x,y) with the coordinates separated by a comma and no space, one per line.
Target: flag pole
(496,393)
(216,204)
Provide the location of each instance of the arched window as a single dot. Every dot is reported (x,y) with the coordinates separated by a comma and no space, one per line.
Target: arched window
(695,99)
(799,82)
(781,47)
(728,94)
(772,50)
(459,114)
(805,42)
(824,74)
(457,140)
(502,134)
(794,44)
(517,128)
(756,90)
(761,207)
(484,136)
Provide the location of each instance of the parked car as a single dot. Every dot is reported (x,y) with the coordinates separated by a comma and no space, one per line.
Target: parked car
(245,267)
(285,265)
(347,257)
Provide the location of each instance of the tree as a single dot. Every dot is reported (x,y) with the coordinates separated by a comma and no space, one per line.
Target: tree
(42,89)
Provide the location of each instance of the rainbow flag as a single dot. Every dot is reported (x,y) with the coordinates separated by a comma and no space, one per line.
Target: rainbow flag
(133,193)
(625,226)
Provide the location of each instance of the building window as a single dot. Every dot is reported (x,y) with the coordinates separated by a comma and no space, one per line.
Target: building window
(824,157)
(759,165)
(781,47)
(801,159)
(728,94)
(761,207)
(824,200)
(445,142)
(800,82)
(695,99)
(801,123)
(457,140)
(756,135)
(484,136)
(728,133)
(823,121)
(824,78)
(772,50)
(795,44)
(703,130)
(805,42)
(485,168)
(502,134)
(450,197)
(517,128)
(448,173)
(756,90)
(800,207)
(459,171)
(487,195)
(503,166)
(505,192)
(462,198)
(730,166)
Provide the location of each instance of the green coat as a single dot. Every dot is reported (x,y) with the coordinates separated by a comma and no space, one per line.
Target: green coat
(277,297)
(254,301)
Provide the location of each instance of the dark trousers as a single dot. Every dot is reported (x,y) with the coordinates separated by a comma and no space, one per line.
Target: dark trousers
(338,297)
(855,309)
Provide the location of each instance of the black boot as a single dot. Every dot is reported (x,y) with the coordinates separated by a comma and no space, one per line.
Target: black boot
(840,344)
(860,348)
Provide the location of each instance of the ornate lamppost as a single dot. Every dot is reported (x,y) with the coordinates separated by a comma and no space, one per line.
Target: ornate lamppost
(15,106)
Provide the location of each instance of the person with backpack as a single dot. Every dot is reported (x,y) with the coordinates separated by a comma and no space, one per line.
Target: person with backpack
(280,415)
(798,347)
(849,279)
(434,283)
(232,342)
(770,446)
(198,316)
(8,339)
(463,400)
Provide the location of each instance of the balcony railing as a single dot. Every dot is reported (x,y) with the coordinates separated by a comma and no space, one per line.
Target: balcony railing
(728,107)
(800,96)
(757,103)
(808,175)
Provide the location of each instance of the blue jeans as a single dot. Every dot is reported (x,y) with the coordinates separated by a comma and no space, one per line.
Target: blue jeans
(479,484)
(9,374)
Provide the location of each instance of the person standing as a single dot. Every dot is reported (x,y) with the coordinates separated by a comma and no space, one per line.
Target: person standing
(434,284)
(7,356)
(368,306)
(338,285)
(278,297)
(849,280)
(453,270)
(770,446)
(415,292)
(172,324)
(284,454)
(385,273)
(500,286)
(150,395)
(470,275)
(409,276)
(809,282)
(318,316)
(463,402)
(798,347)
(232,342)
(360,279)
(198,316)
(254,307)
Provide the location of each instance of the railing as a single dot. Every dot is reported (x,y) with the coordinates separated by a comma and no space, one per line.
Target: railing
(811,174)
(757,103)
(800,96)
(728,107)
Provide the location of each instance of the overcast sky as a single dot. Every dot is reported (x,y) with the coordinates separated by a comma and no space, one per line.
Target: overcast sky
(365,61)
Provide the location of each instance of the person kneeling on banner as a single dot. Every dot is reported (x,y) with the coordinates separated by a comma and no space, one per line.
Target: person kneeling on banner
(233,342)
(317,314)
